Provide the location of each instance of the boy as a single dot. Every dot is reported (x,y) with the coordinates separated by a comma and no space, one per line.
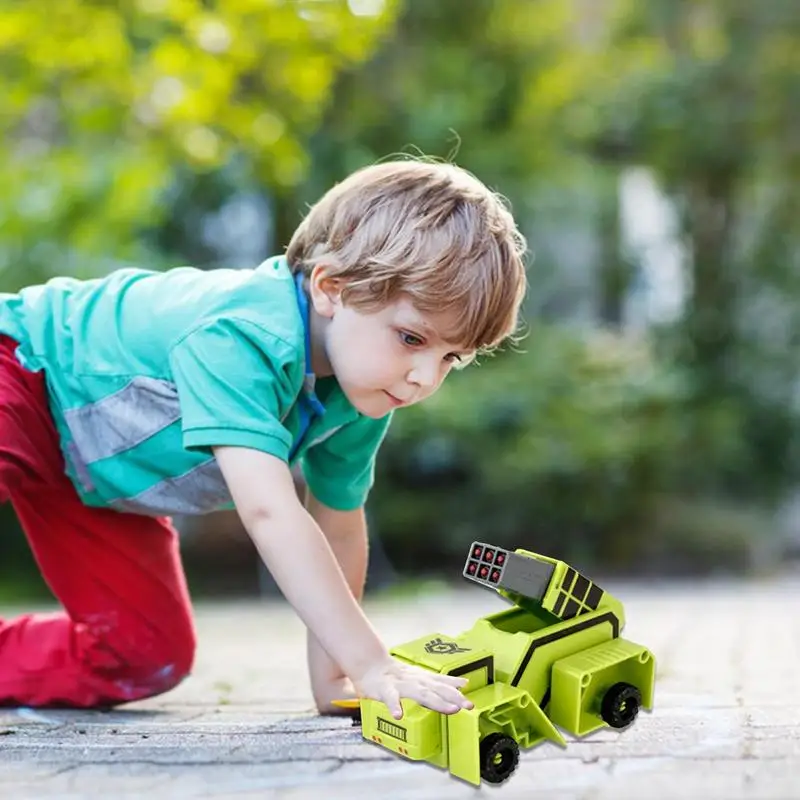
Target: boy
(132,397)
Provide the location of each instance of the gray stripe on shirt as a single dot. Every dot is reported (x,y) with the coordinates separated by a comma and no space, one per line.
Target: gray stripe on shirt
(81,472)
(197,491)
(119,422)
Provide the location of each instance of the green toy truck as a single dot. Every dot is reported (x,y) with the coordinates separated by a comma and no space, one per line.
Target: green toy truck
(555,659)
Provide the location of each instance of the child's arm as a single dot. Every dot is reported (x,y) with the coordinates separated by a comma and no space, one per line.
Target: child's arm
(346,532)
(303,565)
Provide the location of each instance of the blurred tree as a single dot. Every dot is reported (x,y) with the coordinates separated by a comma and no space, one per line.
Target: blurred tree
(570,448)
(476,80)
(105,104)
(705,93)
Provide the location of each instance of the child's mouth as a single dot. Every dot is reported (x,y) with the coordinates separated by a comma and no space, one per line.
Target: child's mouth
(396,401)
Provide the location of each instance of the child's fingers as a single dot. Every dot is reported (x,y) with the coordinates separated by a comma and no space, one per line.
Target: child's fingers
(455,697)
(436,695)
(452,680)
(446,680)
(448,685)
(430,699)
(434,677)
(391,700)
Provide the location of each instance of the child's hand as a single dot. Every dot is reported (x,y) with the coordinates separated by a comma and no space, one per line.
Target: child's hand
(389,680)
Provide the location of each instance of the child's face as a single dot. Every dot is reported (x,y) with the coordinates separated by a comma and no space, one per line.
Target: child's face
(386,359)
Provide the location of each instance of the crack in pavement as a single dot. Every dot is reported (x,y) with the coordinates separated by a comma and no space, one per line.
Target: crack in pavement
(148,762)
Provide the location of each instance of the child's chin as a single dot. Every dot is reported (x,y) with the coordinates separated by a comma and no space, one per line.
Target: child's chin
(373,412)
(373,408)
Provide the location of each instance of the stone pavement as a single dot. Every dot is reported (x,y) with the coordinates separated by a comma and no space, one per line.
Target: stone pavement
(726,723)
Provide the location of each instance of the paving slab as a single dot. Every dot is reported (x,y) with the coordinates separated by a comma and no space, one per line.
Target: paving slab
(726,723)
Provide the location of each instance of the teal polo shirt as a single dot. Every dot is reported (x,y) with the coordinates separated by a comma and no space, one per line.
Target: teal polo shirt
(148,371)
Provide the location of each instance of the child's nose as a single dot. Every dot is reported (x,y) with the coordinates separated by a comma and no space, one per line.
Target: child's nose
(425,374)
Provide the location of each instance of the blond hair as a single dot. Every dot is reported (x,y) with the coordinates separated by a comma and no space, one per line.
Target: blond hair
(429,231)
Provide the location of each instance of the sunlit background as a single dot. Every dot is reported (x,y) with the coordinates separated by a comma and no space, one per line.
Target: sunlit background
(648,421)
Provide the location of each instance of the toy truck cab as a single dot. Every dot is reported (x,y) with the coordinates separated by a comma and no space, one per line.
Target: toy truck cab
(553,660)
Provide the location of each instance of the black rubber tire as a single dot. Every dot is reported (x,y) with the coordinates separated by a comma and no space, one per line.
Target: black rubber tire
(620,705)
(499,756)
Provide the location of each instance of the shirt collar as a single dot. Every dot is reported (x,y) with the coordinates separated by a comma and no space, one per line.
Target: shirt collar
(309,378)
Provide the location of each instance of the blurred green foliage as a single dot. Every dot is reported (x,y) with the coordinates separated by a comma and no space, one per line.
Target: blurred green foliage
(708,98)
(128,124)
(575,445)
(108,105)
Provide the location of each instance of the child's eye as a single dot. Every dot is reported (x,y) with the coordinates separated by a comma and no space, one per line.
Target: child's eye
(410,340)
(453,358)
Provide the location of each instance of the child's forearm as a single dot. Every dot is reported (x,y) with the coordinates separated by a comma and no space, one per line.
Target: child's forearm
(292,544)
(346,533)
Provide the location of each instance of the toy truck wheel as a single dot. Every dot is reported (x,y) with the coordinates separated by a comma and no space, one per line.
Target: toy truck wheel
(499,757)
(620,705)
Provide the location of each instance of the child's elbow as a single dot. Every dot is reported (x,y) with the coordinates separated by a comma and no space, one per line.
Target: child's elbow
(267,512)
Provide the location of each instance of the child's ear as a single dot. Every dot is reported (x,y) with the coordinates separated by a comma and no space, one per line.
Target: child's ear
(324,291)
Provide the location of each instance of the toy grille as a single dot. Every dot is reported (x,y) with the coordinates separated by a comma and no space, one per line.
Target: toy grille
(501,569)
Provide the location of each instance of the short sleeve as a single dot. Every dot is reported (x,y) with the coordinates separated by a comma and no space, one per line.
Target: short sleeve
(340,471)
(235,384)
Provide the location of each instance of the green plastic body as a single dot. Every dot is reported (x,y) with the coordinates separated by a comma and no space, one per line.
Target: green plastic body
(530,672)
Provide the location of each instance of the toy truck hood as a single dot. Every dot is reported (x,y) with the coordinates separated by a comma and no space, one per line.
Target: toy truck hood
(448,655)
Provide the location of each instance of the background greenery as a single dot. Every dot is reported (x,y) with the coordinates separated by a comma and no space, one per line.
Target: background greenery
(161,132)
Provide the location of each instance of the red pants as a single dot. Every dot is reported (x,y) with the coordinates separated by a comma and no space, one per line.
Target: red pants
(126,631)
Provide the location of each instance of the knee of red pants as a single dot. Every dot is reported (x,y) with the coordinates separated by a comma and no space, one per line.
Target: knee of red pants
(135,665)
